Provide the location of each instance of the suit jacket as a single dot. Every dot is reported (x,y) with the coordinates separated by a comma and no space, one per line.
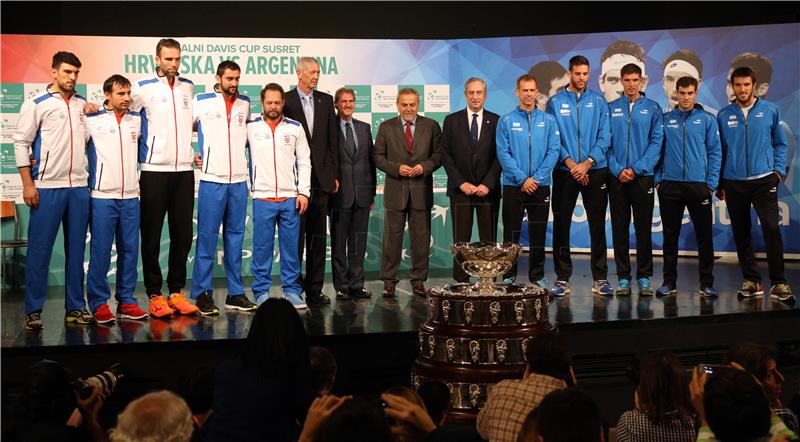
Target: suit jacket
(468,162)
(358,176)
(391,152)
(325,142)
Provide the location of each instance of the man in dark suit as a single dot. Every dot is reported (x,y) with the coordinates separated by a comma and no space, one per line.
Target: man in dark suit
(350,206)
(469,156)
(314,110)
(408,149)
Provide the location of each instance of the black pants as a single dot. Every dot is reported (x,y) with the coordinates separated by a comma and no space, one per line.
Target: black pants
(595,202)
(537,205)
(673,198)
(637,195)
(349,235)
(762,193)
(314,241)
(171,194)
(462,207)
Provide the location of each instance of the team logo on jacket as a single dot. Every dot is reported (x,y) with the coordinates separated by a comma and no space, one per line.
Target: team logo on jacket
(240,118)
(185,101)
(133,136)
(286,139)
(644,111)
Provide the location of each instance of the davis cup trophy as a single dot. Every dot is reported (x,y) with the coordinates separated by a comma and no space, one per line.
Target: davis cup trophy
(477,334)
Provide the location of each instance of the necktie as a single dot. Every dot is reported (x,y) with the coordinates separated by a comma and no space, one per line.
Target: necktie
(409,139)
(308,109)
(349,140)
(473,129)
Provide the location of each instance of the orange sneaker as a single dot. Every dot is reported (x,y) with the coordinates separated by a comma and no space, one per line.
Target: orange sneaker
(181,305)
(159,307)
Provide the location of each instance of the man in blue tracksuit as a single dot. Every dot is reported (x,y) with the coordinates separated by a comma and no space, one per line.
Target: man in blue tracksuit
(528,145)
(221,117)
(637,133)
(582,117)
(754,149)
(686,177)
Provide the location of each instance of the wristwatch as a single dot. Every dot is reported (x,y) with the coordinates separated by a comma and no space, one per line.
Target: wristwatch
(591,160)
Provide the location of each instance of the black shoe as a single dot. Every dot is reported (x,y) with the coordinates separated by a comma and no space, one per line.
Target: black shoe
(205,302)
(319,299)
(239,302)
(388,292)
(419,290)
(342,295)
(361,293)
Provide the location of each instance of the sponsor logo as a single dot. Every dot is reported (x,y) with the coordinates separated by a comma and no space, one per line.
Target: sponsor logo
(617,110)
(515,124)
(697,121)
(565,105)
(733,123)
(565,112)
(644,111)
(617,114)
(589,104)
(673,121)
(732,117)
(541,124)
(759,114)
(516,129)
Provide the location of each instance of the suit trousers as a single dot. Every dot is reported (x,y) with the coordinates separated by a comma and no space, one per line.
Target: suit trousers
(595,201)
(673,198)
(762,194)
(349,236)
(637,196)
(419,230)
(462,208)
(314,241)
(171,194)
(537,205)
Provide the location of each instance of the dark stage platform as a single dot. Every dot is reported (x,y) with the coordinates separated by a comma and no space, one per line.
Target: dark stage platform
(375,340)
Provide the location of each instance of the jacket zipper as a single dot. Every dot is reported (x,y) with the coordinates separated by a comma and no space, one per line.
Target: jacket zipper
(628,145)
(230,166)
(530,145)
(683,144)
(274,160)
(100,177)
(208,159)
(44,167)
(121,160)
(175,120)
(152,148)
(578,112)
(69,118)
(746,147)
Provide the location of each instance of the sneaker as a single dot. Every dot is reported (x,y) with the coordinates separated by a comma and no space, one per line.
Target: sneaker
(239,302)
(205,303)
(781,292)
(644,287)
(159,307)
(178,303)
(79,316)
(709,292)
(130,311)
(33,321)
(561,288)
(667,289)
(750,289)
(102,314)
(624,287)
(296,300)
(602,287)
(509,281)
(542,283)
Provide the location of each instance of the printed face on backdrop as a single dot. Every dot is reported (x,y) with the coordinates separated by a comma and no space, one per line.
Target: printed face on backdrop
(65,77)
(272,105)
(555,87)
(610,80)
(407,105)
(168,61)
(475,94)
(346,104)
(308,76)
(120,97)
(526,91)
(687,96)
(229,82)
(579,77)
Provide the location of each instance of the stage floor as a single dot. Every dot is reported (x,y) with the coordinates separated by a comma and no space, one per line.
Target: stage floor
(402,314)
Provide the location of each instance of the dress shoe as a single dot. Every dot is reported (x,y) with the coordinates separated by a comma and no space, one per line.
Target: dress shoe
(419,290)
(318,299)
(361,293)
(388,292)
(342,295)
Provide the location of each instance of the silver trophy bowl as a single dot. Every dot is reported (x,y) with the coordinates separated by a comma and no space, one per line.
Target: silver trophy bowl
(485,261)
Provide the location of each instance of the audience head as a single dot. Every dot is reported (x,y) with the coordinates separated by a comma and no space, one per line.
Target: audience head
(759,360)
(402,432)
(49,394)
(663,391)
(568,415)
(160,416)
(198,390)
(277,344)
(548,354)
(530,427)
(358,420)
(436,397)
(323,370)
(736,407)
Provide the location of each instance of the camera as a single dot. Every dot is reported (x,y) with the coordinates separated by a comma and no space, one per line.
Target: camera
(107,381)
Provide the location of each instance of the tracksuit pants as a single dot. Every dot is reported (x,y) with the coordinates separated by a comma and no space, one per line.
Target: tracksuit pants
(265,215)
(637,196)
(225,205)
(762,194)
(112,219)
(68,207)
(172,194)
(595,201)
(673,198)
(537,205)
(463,207)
